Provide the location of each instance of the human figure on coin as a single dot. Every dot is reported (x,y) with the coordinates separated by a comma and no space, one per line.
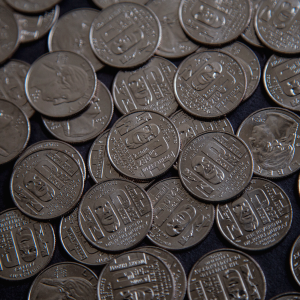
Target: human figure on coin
(235,285)
(26,244)
(140,90)
(186,132)
(292,87)
(285,13)
(142,293)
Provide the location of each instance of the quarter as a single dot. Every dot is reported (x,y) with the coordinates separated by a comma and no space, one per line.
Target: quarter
(32,6)
(294,260)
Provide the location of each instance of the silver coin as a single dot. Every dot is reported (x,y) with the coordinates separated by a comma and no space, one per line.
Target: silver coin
(88,124)
(295,259)
(46,184)
(115,215)
(32,6)
(27,246)
(71,33)
(179,220)
(60,84)
(143,145)
(287,296)
(226,274)
(257,220)
(273,136)
(215,166)
(125,35)
(148,88)
(105,3)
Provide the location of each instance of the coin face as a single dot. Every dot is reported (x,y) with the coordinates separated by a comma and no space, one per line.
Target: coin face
(179,220)
(287,296)
(210,84)
(143,145)
(147,88)
(71,33)
(272,134)
(215,166)
(294,260)
(125,35)
(105,3)
(232,274)
(32,6)
(60,84)
(46,184)
(115,215)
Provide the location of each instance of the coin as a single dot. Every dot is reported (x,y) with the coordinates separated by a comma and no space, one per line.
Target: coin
(287,296)
(46,184)
(215,166)
(71,33)
(60,84)
(226,274)
(105,3)
(272,134)
(65,280)
(257,220)
(294,260)
(214,22)
(14,131)
(32,6)
(115,215)
(210,84)
(143,145)
(148,88)
(88,124)
(179,220)
(125,35)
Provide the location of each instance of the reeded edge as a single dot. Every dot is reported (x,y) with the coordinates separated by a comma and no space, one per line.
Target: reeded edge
(18,9)
(291,260)
(285,295)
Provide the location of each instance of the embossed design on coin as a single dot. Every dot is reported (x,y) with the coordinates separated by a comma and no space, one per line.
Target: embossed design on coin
(105,3)
(125,35)
(294,260)
(287,296)
(27,246)
(115,215)
(32,6)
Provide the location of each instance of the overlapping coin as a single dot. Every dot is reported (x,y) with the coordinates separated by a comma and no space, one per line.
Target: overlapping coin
(294,260)
(287,296)
(32,6)
(105,3)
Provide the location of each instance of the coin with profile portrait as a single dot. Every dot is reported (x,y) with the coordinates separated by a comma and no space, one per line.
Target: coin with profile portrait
(32,6)
(105,3)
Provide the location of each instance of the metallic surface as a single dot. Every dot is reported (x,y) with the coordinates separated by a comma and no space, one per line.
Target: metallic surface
(287,296)
(105,3)
(294,260)
(32,6)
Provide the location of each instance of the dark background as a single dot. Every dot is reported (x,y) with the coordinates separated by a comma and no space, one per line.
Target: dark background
(274,261)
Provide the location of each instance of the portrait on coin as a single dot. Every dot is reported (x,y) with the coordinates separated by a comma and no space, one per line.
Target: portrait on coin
(26,244)
(235,285)
(284,13)
(140,90)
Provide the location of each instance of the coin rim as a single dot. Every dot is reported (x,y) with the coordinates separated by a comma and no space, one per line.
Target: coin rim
(17,9)
(291,260)
(285,295)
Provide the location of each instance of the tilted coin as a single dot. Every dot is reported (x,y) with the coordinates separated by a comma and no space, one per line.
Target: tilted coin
(226,274)
(46,184)
(105,3)
(215,166)
(257,220)
(147,88)
(179,220)
(88,124)
(27,246)
(210,84)
(32,6)
(143,145)
(287,296)
(71,33)
(273,136)
(14,131)
(295,259)
(125,35)
(115,215)
(60,84)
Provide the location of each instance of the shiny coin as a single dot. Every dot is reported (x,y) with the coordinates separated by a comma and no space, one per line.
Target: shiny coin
(105,3)
(71,33)
(179,220)
(210,84)
(257,220)
(14,131)
(143,145)
(272,135)
(295,259)
(65,280)
(287,296)
(147,88)
(125,35)
(233,275)
(115,215)
(32,6)
(46,184)
(215,166)
(87,125)
(60,84)
(27,246)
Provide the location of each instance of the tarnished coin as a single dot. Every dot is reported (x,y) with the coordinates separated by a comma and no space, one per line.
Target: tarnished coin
(46,184)
(179,220)
(32,6)
(14,131)
(257,220)
(65,280)
(60,84)
(105,3)
(273,136)
(215,166)
(287,296)
(214,22)
(115,215)
(27,246)
(226,274)
(147,88)
(143,145)
(87,125)
(77,245)
(210,84)
(125,35)
(71,33)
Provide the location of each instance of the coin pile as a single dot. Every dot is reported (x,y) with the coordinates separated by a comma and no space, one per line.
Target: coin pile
(166,165)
